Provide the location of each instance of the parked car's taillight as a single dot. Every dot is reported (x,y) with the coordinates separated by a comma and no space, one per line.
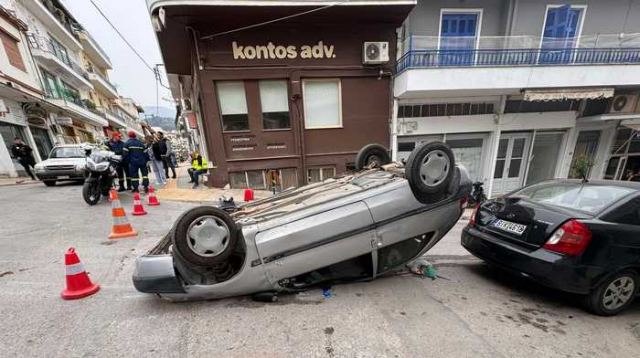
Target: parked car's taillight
(570,239)
(474,214)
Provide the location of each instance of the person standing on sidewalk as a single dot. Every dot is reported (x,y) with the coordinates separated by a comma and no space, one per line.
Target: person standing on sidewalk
(116,145)
(154,152)
(24,154)
(198,167)
(166,152)
(134,153)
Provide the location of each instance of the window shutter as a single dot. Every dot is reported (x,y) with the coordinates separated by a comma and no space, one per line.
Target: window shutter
(13,51)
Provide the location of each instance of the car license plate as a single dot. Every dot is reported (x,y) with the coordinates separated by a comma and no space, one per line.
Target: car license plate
(508,226)
(63,177)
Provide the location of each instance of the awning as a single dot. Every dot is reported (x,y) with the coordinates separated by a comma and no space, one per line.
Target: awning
(631,123)
(536,95)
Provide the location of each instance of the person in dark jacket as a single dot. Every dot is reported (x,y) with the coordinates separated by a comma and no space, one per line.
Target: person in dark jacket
(24,154)
(116,145)
(166,152)
(134,152)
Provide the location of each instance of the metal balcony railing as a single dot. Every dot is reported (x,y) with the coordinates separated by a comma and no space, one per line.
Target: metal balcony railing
(47,45)
(105,79)
(66,22)
(429,51)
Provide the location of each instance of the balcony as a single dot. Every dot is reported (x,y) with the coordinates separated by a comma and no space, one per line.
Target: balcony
(56,21)
(114,119)
(102,84)
(504,65)
(77,108)
(93,50)
(57,60)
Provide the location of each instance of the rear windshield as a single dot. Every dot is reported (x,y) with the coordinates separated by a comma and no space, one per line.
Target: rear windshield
(583,197)
(67,152)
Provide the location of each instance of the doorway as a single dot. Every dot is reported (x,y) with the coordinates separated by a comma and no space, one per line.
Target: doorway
(585,150)
(544,156)
(509,171)
(42,141)
(458,37)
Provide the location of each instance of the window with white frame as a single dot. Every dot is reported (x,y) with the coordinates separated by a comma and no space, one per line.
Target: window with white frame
(233,105)
(274,101)
(322,103)
(315,175)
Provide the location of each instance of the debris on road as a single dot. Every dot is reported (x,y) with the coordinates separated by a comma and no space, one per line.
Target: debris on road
(424,268)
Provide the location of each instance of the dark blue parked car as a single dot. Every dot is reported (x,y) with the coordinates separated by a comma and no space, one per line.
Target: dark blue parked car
(577,237)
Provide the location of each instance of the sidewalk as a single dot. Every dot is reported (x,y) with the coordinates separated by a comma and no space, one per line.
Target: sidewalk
(5,181)
(180,189)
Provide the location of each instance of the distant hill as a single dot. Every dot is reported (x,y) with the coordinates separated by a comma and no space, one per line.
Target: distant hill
(163,117)
(161,112)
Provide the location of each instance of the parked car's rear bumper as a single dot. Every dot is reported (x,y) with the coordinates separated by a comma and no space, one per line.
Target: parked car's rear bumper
(546,267)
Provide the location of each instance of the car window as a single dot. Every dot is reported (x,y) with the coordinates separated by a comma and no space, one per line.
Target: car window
(584,197)
(628,213)
(67,152)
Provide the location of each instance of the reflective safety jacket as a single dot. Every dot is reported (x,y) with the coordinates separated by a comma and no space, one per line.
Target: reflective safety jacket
(134,152)
(199,163)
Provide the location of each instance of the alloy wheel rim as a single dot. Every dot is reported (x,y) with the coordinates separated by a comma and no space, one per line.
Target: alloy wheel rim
(618,293)
(208,236)
(434,168)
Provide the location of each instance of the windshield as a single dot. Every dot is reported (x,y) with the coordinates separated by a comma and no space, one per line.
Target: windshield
(67,152)
(583,197)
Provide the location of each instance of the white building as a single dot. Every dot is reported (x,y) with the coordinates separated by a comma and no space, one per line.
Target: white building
(521,89)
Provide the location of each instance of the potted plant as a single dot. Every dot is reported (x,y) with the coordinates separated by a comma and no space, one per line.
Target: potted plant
(581,168)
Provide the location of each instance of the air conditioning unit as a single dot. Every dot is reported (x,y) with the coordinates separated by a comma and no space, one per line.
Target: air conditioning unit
(624,103)
(375,53)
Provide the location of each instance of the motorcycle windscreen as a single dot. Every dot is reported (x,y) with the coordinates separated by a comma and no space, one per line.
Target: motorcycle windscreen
(316,241)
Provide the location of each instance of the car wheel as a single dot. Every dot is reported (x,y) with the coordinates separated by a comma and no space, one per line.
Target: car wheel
(613,295)
(429,170)
(372,154)
(49,182)
(205,236)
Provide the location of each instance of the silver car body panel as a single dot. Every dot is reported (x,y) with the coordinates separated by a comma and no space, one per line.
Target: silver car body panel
(302,233)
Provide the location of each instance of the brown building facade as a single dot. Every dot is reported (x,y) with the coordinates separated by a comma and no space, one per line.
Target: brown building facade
(284,103)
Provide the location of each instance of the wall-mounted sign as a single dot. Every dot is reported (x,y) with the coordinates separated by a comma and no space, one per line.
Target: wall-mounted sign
(281,52)
(64,121)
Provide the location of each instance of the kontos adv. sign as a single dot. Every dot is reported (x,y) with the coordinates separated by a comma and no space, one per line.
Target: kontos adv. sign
(281,52)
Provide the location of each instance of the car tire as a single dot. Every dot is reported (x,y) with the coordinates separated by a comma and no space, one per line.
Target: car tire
(429,170)
(49,182)
(372,153)
(193,240)
(613,290)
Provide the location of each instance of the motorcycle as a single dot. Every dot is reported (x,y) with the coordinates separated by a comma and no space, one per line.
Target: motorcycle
(100,173)
(477,195)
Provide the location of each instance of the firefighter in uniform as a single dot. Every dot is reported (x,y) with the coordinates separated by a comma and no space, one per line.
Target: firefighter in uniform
(134,153)
(116,145)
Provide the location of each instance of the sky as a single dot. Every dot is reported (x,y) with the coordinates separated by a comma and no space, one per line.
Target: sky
(131,77)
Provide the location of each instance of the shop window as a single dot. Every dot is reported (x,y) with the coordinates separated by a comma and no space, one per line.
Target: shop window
(13,51)
(247,179)
(238,180)
(274,101)
(315,175)
(255,178)
(233,105)
(621,143)
(322,104)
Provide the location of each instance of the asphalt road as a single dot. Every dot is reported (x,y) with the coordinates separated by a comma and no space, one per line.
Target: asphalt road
(474,311)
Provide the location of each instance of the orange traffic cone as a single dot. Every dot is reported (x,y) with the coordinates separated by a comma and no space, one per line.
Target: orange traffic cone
(78,282)
(138,209)
(153,201)
(121,227)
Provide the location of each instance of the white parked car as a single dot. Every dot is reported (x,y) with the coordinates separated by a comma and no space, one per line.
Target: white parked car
(65,162)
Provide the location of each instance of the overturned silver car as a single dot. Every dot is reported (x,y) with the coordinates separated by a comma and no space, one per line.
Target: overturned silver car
(350,228)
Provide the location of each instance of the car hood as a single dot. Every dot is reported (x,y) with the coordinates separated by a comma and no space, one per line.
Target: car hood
(63,161)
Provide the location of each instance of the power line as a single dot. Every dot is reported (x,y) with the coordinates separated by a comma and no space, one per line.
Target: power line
(272,21)
(155,71)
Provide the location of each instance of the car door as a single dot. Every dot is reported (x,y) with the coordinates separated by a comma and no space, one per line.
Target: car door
(625,233)
(315,241)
